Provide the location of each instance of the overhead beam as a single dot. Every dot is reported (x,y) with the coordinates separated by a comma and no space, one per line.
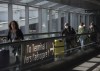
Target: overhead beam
(46,5)
(94,2)
(55,7)
(65,8)
(78,10)
(35,2)
(61,7)
(70,8)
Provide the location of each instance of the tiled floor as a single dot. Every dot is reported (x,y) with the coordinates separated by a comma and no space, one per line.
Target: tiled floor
(90,65)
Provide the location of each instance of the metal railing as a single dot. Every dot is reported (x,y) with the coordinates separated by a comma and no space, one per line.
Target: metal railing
(34,36)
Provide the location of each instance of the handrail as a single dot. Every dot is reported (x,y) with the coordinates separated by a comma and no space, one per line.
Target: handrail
(41,34)
(34,34)
(39,39)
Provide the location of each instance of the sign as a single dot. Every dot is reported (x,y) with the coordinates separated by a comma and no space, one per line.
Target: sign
(92,11)
(36,52)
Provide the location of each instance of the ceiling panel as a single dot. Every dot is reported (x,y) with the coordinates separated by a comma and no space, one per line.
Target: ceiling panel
(80,3)
(86,4)
(41,3)
(24,1)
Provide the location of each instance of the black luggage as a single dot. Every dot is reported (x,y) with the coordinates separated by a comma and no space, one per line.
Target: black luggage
(4,58)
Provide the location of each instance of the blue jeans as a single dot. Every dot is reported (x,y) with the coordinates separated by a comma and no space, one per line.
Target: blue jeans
(81,39)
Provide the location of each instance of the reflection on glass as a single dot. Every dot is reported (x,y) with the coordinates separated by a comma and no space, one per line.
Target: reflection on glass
(3,19)
(33,19)
(19,15)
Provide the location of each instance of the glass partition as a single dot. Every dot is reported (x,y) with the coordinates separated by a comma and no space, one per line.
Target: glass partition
(33,19)
(26,55)
(3,19)
(19,16)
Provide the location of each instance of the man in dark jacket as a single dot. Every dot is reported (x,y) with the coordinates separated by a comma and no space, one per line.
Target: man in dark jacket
(68,32)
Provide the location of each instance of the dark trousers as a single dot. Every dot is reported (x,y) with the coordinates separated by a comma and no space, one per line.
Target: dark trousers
(68,45)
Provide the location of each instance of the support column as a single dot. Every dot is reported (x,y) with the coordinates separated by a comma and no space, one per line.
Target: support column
(88,18)
(79,20)
(10,12)
(69,17)
(26,20)
(83,20)
(44,20)
(62,20)
(66,17)
(73,20)
(39,25)
(50,21)
(59,22)
(87,21)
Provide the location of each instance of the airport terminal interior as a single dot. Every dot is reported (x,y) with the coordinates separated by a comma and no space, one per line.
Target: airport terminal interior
(49,35)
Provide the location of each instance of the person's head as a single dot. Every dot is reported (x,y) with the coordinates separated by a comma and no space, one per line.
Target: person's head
(91,23)
(13,25)
(81,23)
(66,25)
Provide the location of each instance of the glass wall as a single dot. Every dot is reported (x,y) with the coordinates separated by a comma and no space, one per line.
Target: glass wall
(3,19)
(42,20)
(19,16)
(87,21)
(33,19)
(54,21)
(62,20)
(74,20)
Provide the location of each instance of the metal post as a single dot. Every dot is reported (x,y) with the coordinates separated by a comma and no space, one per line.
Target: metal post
(10,12)
(26,20)
(39,25)
(50,19)
(59,21)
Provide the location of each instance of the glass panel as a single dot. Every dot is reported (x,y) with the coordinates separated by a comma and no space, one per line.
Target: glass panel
(26,1)
(19,15)
(33,19)
(44,20)
(54,20)
(41,3)
(3,19)
(19,56)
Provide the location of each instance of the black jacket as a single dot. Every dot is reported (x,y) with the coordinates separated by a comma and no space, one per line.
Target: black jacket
(68,31)
(19,35)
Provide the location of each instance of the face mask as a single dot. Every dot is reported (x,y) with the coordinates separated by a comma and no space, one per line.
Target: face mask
(66,26)
(91,26)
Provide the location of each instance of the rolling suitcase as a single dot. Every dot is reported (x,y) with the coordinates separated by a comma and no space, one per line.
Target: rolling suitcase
(58,49)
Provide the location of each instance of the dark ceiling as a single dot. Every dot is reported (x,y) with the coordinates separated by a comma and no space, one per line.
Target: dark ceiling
(86,4)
